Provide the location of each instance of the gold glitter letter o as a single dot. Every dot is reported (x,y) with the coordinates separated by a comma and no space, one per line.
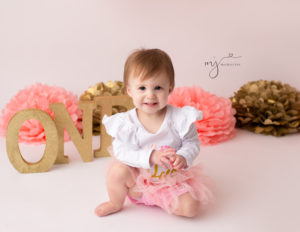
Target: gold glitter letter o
(12,141)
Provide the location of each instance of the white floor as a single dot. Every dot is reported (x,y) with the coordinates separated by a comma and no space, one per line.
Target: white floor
(257,190)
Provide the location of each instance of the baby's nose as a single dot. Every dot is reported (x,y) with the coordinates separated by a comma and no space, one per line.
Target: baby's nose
(150,94)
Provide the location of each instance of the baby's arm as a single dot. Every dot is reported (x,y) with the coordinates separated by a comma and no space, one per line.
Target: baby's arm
(190,146)
(132,155)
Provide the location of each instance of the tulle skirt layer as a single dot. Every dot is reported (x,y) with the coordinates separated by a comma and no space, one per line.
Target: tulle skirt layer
(161,192)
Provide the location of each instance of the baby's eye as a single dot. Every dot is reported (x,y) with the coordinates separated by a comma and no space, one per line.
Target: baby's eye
(142,88)
(158,88)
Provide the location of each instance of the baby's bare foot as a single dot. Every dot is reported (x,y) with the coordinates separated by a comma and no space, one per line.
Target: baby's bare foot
(106,208)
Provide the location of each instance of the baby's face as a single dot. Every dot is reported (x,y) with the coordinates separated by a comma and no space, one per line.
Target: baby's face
(149,96)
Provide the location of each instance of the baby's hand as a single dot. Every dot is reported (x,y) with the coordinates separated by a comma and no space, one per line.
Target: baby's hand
(162,157)
(178,162)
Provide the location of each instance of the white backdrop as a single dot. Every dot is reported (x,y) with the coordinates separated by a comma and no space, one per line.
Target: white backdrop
(76,43)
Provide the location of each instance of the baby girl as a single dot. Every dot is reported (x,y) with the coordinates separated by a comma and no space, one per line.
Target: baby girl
(154,143)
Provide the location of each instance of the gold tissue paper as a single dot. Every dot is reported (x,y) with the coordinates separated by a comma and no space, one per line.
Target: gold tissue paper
(111,88)
(267,107)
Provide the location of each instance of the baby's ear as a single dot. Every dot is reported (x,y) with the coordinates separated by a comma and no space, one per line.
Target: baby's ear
(171,89)
(128,91)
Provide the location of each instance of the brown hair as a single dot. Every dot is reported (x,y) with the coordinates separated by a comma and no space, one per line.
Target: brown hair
(147,63)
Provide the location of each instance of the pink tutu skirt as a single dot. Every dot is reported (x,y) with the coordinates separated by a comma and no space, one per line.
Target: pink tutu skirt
(169,187)
(161,192)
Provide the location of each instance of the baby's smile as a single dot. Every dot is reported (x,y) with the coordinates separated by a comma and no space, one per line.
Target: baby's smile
(151,104)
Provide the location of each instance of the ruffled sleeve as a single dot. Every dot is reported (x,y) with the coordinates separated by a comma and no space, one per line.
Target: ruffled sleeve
(125,143)
(184,117)
(183,121)
(119,127)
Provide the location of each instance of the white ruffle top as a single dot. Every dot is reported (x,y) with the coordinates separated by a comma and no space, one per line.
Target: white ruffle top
(133,144)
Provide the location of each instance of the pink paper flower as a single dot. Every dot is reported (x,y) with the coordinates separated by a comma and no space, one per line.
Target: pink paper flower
(39,96)
(218,120)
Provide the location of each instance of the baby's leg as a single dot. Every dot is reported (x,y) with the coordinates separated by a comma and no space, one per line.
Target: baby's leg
(186,206)
(119,180)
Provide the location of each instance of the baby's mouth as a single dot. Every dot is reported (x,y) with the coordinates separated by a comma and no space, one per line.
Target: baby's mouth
(151,103)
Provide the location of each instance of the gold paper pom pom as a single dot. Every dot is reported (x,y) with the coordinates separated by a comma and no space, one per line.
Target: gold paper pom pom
(267,107)
(111,88)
